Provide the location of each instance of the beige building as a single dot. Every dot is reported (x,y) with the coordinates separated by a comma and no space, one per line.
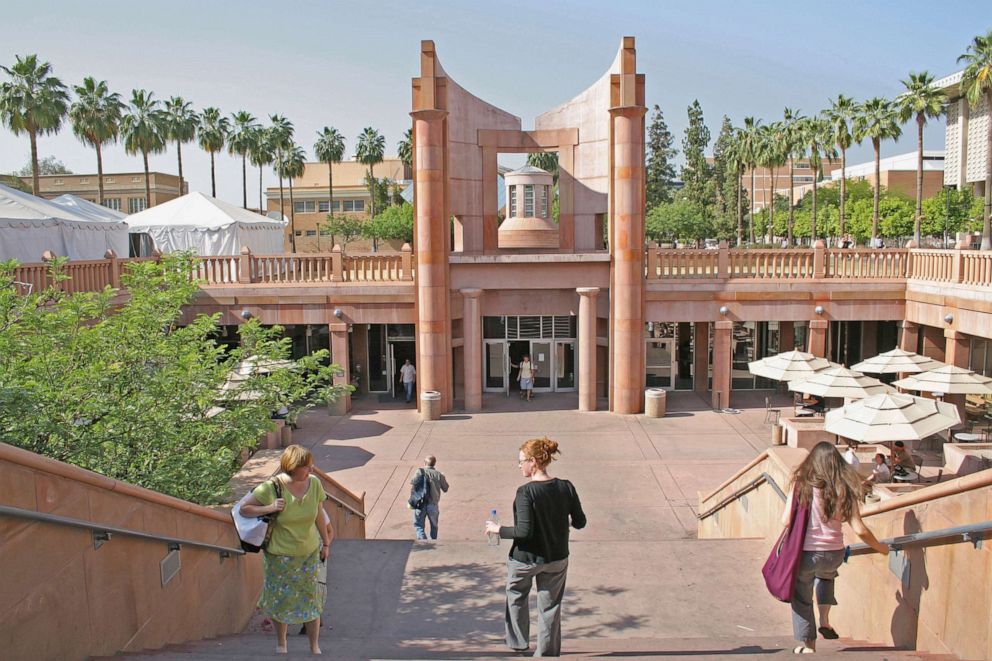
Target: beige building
(767,178)
(897,174)
(311,205)
(965,137)
(122,191)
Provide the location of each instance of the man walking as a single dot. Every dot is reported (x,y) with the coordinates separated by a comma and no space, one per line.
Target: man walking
(408,374)
(436,483)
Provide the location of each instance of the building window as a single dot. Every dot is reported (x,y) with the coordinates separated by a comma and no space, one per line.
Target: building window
(299,232)
(135,180)
(336,205)
(311,232)
(135,204)
(802,166)
(349,205)
(323,207)
(307,206)
(359,205)
(84,180)
(513,201)
(544,201)
(528,201)
(109,180)
(57,182)
(112,203)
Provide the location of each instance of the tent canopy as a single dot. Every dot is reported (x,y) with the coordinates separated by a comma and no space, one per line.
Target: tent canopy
(207,226)
(91,210)
(30,225)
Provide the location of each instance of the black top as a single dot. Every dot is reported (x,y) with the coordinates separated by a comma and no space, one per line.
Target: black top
(541,512)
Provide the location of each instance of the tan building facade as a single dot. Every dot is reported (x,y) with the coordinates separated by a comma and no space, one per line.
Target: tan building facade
(897,174)
(768,179)
(965,137)
(122,191)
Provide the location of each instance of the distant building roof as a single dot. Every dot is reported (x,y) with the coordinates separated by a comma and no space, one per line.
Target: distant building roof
(932,160)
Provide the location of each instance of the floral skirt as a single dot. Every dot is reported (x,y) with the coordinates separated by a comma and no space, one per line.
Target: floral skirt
(292,594)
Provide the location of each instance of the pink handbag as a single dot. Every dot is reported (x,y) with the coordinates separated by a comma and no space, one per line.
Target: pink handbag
(782,564)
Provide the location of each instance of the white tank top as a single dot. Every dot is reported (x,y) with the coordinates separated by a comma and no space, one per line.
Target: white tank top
(822,534)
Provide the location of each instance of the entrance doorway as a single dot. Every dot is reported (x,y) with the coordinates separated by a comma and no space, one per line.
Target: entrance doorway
(550,343)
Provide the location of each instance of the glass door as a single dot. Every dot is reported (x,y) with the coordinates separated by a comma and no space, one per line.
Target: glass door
(564,366)
(541,356)
(661,365)
(495,366)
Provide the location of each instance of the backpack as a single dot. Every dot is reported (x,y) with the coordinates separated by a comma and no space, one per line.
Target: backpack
(255,532)
(420,492)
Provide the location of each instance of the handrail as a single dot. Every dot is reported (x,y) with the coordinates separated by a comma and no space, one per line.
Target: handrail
(345,505)
(225,551)
(730,480)
(327,478)
(973,533)
(750,486)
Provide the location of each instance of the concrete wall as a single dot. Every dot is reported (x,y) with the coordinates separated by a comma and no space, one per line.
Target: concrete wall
(64,599)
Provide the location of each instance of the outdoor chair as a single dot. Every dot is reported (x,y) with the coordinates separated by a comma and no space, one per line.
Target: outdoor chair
(771,415)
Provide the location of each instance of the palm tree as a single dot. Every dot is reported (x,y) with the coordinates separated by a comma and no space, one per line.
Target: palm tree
(976,81)
(749,145)
(291,163)
(280,136)
(329,149)
(404,148)
(211,136)
(370,150)
(920,100)
(876,119)
(791,123)
(260,154)
(817,137)
(735,162)
(143,130)
(771,155)
(96,118)
(839,116)
(32,102)
(547,161)
(243,127)
(181,122)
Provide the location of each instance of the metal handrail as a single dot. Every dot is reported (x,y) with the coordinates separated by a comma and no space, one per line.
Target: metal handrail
(973,533)
(341,503)
(750,486)
(102,533)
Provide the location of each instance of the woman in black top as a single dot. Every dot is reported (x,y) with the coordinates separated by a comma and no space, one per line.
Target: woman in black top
(542,510)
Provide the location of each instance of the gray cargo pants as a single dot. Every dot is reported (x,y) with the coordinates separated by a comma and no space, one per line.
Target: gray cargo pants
(817,568)
(550,589)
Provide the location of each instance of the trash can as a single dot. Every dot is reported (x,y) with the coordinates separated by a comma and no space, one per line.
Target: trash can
(777,435)
(430,405)
(655,401)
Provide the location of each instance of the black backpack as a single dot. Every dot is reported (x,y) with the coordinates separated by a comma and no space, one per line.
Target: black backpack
(420,491)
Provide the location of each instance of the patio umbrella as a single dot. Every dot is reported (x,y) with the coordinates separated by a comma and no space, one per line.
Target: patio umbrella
(840,382)
(948,380)
(897,361)
(788,366)
(891,417)
(255,365)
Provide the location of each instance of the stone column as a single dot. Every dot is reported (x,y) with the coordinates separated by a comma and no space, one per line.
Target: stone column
(431,237)
(472,348)
(818,337)
(723,335)
(933,342)
(909,340)
(786,336)
(339,356)
(627,288)
(587,347)
(701,356)
(957,351)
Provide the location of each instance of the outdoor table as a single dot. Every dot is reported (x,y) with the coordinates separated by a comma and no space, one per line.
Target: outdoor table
(967,437)
(910,476)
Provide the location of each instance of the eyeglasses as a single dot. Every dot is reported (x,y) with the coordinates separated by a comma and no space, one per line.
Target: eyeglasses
(521,462)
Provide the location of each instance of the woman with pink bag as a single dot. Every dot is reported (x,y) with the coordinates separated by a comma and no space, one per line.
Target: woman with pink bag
(829,490)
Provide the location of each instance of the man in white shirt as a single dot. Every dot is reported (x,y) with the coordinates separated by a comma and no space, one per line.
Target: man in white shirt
(408,374)
(850,457)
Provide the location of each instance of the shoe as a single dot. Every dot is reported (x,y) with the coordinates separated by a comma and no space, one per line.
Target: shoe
(802,649)
(828,633)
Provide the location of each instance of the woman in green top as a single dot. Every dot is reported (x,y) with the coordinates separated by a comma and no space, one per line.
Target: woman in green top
(298,545)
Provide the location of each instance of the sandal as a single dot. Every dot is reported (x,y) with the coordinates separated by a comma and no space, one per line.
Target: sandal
(828,633)
(802,649)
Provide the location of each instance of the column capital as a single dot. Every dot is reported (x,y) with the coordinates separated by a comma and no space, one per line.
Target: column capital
(471,292)
(429,113)
(908,324)
(955,334)
(628,111)
(338,327)
(591,292)
(723,325)
(818,323)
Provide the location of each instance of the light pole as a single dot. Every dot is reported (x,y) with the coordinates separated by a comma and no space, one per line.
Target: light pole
(947,211)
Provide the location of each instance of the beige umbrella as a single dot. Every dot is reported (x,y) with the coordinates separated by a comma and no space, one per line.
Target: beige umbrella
(897,361)
(948,380)
(891,417)
(840,382)
(255,365)
(788,366)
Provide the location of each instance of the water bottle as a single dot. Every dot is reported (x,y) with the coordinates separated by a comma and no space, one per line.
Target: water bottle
(492,537)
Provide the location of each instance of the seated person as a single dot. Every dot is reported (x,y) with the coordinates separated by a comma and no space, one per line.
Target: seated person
(880,473)
(901,457)
(850,457)
(814,403)
(281,414)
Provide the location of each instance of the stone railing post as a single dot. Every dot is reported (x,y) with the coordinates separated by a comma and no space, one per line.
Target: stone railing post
(337,273)
(114,268)
(244,266)
(723,260)
(652,262)
(406,262)
(957,266)
(819,260)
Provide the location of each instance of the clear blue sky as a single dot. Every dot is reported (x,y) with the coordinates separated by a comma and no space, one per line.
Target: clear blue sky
(348,64)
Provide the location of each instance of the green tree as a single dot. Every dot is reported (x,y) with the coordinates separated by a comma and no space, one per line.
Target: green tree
(291,163)
(817,137)
(951,211)
(921,101)
(122,389)
(735,163)
(546,160)
(143,130)
(46,165)
(681,219)
(260,154)
(181,122)
(696,173)
(243,127)
(96,117)
(395,223)
(346,228)
(369,151)
(876,119)
(791,126)
(661,155)
(749,145)
(976,82)
(33,102)
(280,137)
(839,118)
(404,148)
(771,156)
(211,135)
(329,149)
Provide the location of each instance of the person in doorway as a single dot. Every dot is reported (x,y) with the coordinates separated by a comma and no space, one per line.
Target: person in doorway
(543,509)
(436,483)
(831,489)
(408,375)
(525,375)
(292,593)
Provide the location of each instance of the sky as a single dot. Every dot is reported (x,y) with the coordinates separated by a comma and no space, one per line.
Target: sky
(348,64)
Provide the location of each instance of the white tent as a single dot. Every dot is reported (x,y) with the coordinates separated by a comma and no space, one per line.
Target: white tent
(207,226)
(83,207)
(31,225)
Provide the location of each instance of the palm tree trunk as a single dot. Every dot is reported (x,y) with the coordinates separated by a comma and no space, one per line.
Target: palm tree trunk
(282,214)
(919,178)
(244,181)
(148,183)
(750,222)
(792,194)
(740,212)
(987,223)
(843,188)
(771,210)
(99,174)
(812,220)
(260,209)
(179,158)
(292,214)
(874,212)
(213,177)
(35,187)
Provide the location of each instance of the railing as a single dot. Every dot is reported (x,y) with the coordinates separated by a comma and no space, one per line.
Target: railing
(677,264)
(976,267)
(974,534)
(764,478)
(770,264)
(933,265)
(872,264)
(103,533)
